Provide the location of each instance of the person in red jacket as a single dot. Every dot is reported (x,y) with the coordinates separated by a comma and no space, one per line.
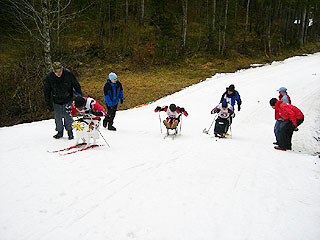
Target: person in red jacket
(88,126)
(292,117)
(87,107)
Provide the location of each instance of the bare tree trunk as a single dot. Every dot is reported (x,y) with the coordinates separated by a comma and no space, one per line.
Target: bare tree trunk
(247,22)
(225,27)
(127,11)
(306,26)
(236,13)
(207,17)
(184,25)
(303,25)
(269,31)
(219,47)
(109,21)
(58,25)
(46,35)
(214,16)
(212,27)
(141,12)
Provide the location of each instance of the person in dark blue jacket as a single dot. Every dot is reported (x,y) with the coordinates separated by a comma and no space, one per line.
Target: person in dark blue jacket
(231,96)
(113,93)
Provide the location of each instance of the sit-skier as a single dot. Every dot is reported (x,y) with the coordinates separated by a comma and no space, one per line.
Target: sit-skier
(174,113)
(225,114)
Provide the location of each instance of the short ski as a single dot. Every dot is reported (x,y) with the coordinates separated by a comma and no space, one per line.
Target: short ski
(173,135)
(80,150)
(68,148)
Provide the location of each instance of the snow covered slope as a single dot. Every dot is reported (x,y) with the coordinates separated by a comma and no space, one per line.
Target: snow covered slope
(193,188)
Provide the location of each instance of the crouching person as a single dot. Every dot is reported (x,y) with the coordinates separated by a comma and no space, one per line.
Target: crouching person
(173,115)
(225,114)
(88,126)
(292,117)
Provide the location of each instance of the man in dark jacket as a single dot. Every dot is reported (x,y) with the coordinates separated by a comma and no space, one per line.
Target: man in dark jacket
(59,85)
(113,93)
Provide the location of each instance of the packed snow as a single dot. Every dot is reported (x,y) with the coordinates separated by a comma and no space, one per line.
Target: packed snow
(194,187)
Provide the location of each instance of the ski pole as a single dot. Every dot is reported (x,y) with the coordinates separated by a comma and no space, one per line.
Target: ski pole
(160,123)
(207,131)
(103,138)
(180,124)
(100,132)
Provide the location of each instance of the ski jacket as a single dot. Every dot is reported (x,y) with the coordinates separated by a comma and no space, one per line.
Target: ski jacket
(285,98)
(60,88)
(288,112)
(176,114)
(223,113)
(112,92)
(232,98)
(92,109)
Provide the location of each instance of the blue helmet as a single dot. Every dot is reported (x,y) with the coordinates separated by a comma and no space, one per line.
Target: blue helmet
(112,76)
(224,104)
(282,89)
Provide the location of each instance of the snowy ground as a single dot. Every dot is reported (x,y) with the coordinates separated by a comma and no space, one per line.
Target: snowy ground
(193,188)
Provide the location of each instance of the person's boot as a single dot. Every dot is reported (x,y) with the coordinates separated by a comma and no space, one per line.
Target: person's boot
(281,148)
(105,122)
(58,135)
(70,134)
(111,128)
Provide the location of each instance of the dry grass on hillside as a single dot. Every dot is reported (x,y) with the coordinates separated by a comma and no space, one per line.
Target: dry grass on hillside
(142,86)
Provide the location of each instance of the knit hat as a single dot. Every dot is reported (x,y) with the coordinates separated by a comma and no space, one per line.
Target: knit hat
(273,101)
(172,107)
(112,76)
(79,102)
(224,104)
(231,88)
(57,67)
(282,89)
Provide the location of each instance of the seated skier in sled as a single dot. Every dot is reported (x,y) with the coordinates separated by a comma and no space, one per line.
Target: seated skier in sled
(174,113)
(88,126)
(225,113)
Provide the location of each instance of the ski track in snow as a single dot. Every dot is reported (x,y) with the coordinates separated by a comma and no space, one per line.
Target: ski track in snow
(192,187)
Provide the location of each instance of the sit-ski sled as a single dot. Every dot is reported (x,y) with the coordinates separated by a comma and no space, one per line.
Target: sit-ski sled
(172,134)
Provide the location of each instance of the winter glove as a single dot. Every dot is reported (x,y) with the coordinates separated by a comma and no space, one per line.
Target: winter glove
(82,120)
(239,107)
(49,108)
(121,101)
(158,108)
(89,111)
(296,129)
(98,113)
(68,109)
(182,110)
(293,126)
(216,110)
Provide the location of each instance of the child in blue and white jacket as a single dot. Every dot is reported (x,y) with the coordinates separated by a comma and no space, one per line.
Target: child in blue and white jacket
(113,93)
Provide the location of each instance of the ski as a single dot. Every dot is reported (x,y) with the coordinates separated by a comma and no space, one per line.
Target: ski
(80,150)
(173,135)
(68,148)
